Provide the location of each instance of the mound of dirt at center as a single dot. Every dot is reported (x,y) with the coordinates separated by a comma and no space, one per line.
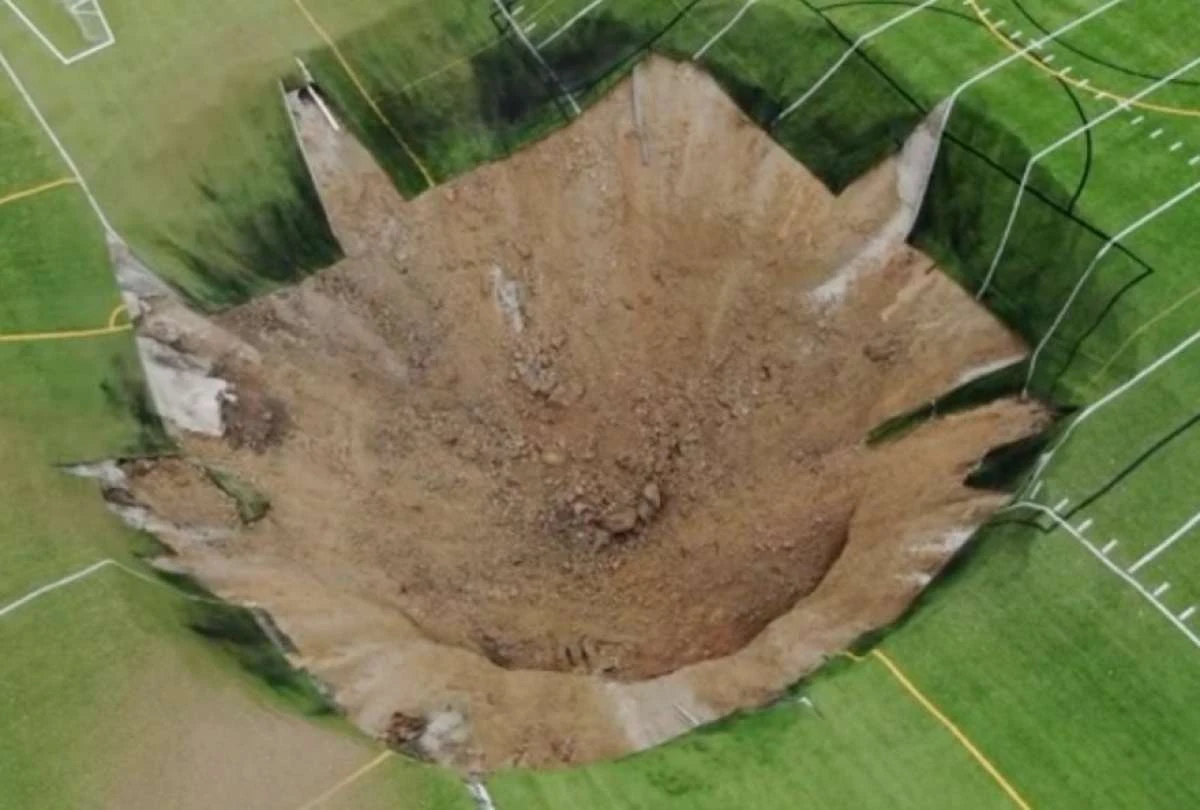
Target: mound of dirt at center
(601,407)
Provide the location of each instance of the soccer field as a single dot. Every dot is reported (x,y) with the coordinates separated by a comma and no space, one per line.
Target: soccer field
(1054,666)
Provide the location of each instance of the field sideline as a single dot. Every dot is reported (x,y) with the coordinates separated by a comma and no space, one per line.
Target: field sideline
(1055,666)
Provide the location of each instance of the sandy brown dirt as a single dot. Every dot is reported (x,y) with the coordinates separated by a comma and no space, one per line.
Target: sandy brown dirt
(580,414)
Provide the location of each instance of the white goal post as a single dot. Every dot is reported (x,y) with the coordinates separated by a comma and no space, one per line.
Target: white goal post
(88,15)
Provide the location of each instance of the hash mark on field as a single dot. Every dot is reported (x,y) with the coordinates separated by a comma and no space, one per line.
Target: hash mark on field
(1095,552)
(1058,507)
(1036,489)
(1109,546)
(1048,58)
(1161,589)
(1195,159)
(1083,527)
(1156,133)
(1139,119)
(1175,147)
(1187,614)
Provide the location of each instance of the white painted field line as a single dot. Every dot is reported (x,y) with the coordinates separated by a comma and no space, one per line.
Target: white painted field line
(1161,589)
(58,145)
(512,24)
(1083,527)
(1061,505)
(845,57)
(1016,206)
(1109,546)
(728,27)
(1111,396)
(1036,489)
(12,607)
(1165,544)
(50,46)
(569,23)
(36,31)
(1133,583)
(1187,614)
(1109,245)
(948,105)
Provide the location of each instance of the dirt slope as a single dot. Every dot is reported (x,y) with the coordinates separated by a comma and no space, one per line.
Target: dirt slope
(588,413)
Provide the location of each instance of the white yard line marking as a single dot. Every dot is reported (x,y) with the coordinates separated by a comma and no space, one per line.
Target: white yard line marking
(1139,119)
(1195,159)
(98,566)
(728,27)
(1048,58)
(1083,527)
(1070,136)
(512,24)
(1109,546)
(1133,583)
(845,57)
(1111,396)
(1175,147)
(1058,507)
(1161,589)
(948,104)
(562,29)
(1109,245)
(58,145)
(12,607)
(1156,133)
(1187,614)
(1036,489)
(1166,544)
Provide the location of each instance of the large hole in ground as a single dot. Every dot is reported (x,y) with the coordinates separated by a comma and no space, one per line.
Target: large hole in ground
(599,408)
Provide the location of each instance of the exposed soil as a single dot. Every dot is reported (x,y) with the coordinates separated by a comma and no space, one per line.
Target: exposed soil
(584,412)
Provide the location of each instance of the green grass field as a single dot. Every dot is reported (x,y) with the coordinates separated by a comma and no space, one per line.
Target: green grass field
(119,689)
(1060,665)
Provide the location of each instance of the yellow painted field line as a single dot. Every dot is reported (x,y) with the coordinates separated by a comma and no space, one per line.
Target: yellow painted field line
(464,59)
(363,90)
(966,743)
(361,772)
(30,192)
(1143,329)
(73,334)
(1076,83)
